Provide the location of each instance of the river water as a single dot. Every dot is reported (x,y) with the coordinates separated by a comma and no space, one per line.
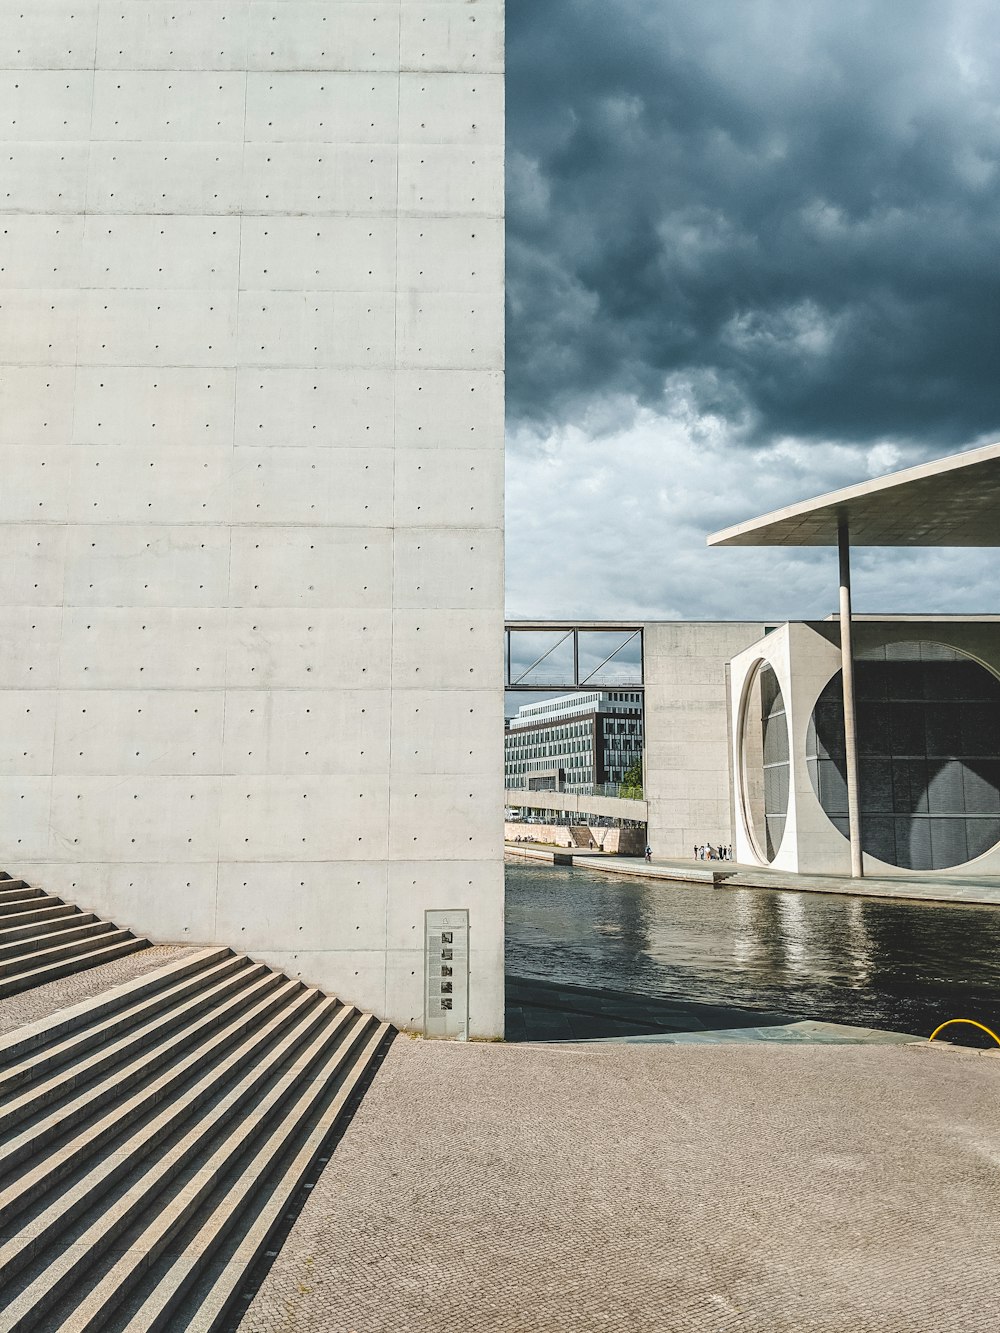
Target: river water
(900,966)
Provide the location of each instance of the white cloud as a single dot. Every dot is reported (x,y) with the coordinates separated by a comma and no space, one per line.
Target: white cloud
(612,525)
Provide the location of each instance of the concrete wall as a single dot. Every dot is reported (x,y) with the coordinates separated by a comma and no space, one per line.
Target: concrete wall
(615,841)
(251,343)
(803,662)
(686,760)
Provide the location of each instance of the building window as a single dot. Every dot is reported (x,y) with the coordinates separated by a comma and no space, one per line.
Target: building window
(766,770)
(928,722)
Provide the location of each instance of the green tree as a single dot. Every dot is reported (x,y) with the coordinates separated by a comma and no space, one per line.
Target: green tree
(631,783)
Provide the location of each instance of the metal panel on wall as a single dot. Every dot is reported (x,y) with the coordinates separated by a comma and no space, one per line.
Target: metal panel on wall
(446,974)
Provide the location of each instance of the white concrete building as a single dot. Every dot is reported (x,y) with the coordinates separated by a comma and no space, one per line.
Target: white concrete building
(872,744)
(686,761)
(928,725)
(251,452)
(745,741)
(679,673)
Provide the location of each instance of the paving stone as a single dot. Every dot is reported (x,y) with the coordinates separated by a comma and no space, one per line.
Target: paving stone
(653,1189)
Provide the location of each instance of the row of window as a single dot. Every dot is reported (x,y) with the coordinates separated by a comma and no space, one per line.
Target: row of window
(552,735)
(551,751)
(546,766)
(566,732)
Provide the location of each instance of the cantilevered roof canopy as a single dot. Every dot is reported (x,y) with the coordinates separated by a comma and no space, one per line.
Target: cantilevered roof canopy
(953,501)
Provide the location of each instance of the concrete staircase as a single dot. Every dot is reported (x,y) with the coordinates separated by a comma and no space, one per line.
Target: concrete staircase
(43,938)
(153,1137)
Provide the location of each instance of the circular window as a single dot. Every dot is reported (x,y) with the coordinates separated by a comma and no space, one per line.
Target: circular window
(928,724)
(764,747)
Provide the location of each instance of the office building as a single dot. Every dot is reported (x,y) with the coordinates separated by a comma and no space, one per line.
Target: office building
(574,742)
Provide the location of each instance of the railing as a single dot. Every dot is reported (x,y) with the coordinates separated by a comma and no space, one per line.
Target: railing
(614,789)
(572,818)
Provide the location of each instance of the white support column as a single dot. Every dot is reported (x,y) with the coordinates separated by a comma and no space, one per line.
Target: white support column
(850,721)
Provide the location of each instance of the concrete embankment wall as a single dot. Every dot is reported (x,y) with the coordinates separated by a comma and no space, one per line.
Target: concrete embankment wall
(622,842)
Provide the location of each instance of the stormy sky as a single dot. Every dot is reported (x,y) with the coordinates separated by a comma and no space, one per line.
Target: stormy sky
(753,254)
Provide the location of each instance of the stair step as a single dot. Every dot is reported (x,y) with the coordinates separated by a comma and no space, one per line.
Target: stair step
(150,1045)
(136,1149)
(153,1136)
(158,1311)
(203,1042)
(14,906)
(38,1064)
(289,1101)
(63,967)
(23,894)
(293,1025)
(51,949)
(57,911)
(67,932)
(46,931)
(16,1045)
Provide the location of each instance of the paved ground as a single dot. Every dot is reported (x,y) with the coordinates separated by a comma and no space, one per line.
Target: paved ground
(654,1189)
(30,1006)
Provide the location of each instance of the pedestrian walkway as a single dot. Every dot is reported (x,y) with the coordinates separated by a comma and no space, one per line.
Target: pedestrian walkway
(669,1188)
(936,888)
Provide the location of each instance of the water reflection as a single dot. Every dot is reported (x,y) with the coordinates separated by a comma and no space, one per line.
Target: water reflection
(902,966)
(859,941)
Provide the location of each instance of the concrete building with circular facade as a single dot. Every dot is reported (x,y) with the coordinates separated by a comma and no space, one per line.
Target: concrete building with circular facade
(867,744)
(927,697)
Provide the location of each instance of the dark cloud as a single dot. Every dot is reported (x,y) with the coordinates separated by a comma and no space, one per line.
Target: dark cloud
(787,214)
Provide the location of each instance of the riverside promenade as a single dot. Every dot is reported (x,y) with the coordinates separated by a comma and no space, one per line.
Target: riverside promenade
(671,1189)
(924,887)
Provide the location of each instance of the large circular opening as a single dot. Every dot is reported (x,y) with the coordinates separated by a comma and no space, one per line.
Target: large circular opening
(928,726)
(764,749)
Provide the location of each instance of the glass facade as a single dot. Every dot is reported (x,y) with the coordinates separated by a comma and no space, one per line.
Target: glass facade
(766,762)
(928,722)
(776,760)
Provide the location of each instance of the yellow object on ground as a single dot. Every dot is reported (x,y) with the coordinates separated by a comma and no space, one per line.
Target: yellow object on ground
(971,1021)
